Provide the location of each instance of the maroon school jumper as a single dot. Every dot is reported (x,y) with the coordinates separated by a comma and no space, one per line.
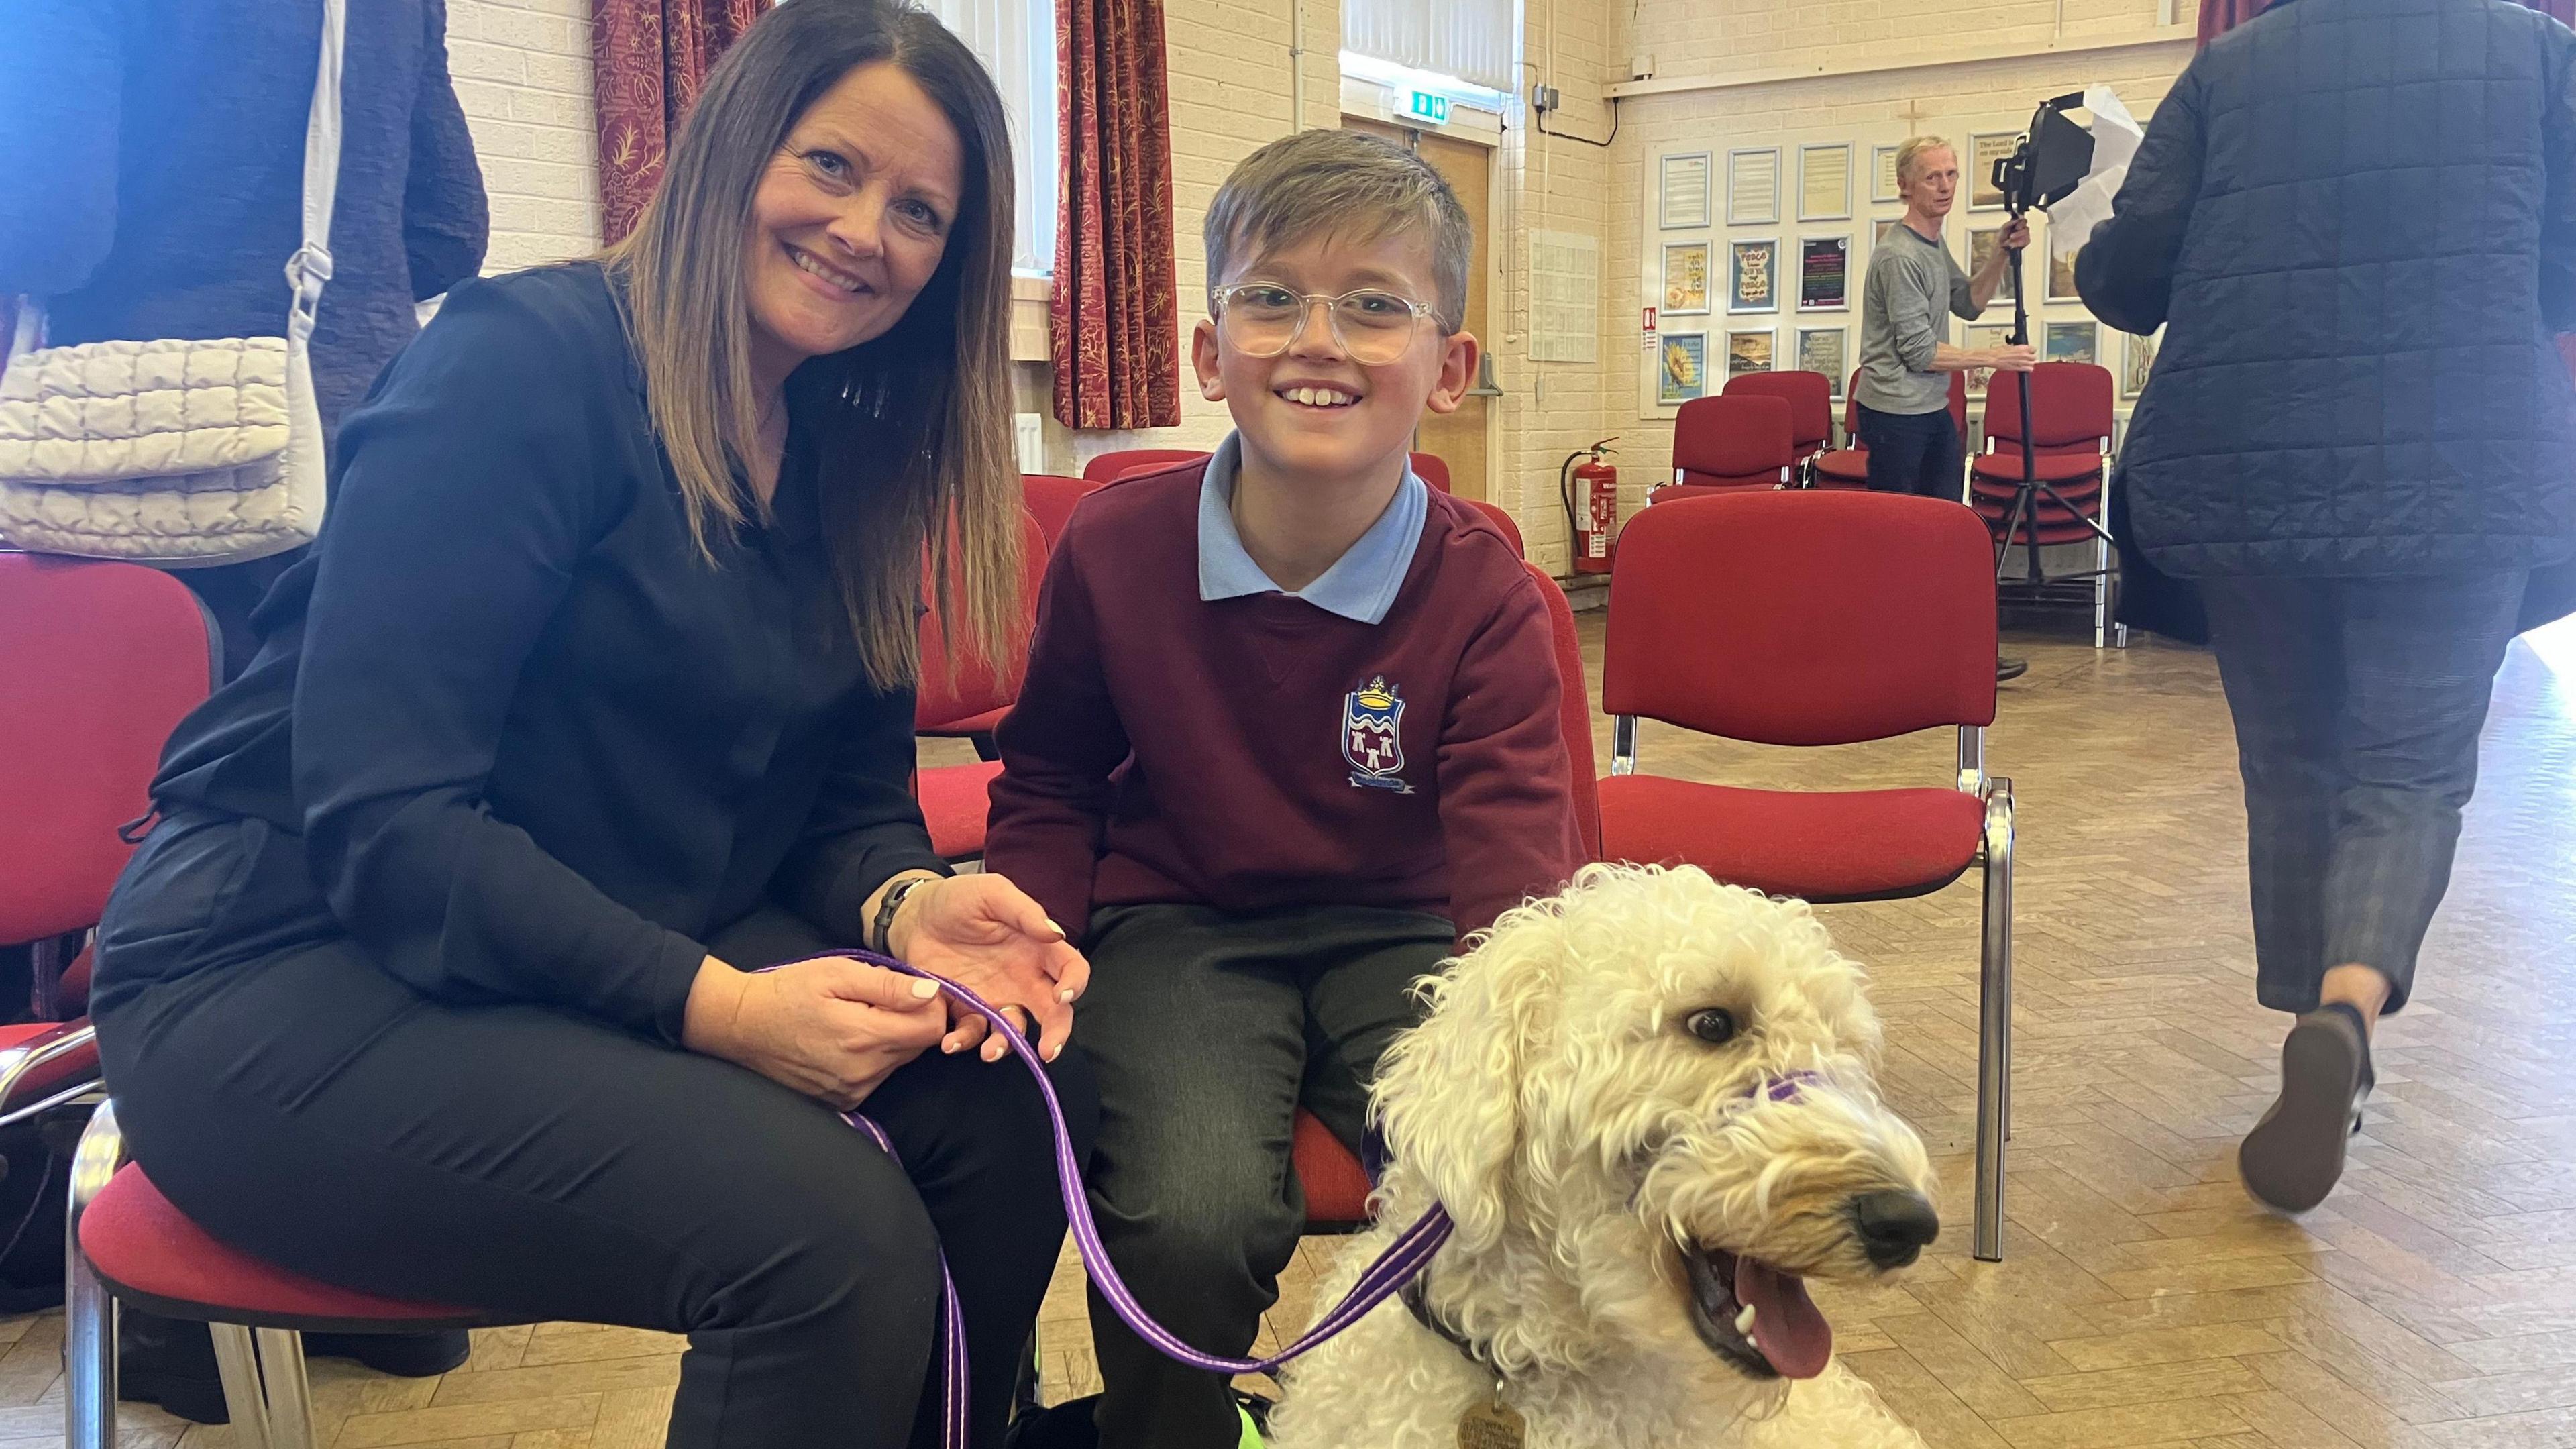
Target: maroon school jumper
(1276,754)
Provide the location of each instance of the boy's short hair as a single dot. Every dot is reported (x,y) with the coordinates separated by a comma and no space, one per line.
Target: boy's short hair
(1319,183)
(1912,151)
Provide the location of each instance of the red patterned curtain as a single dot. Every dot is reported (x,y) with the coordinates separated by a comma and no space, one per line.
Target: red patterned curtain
(2217,17)
(648,59)
(1112,323)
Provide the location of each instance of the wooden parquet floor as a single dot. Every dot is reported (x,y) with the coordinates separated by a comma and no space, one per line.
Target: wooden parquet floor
(2430,1304)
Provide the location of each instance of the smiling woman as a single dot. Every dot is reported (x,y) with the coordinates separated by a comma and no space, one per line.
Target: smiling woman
(594,700)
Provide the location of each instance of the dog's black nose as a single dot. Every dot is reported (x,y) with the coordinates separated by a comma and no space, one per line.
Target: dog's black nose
(1894,1226)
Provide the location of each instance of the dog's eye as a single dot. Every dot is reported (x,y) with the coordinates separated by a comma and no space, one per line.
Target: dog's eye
(1714,1025)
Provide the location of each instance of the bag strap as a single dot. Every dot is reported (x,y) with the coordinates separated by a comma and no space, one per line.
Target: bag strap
(310,266)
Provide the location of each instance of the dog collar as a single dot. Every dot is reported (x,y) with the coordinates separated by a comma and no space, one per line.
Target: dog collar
(1417,1303)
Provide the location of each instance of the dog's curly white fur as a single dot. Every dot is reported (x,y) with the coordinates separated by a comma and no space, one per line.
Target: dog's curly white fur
(1563,1100)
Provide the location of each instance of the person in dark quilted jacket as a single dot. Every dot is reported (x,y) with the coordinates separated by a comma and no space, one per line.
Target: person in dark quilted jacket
(2356,220)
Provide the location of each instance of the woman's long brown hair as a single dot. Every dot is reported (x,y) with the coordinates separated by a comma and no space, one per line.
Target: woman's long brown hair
(912,431)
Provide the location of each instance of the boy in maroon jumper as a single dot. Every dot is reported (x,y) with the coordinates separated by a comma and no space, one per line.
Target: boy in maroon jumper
(1289,731)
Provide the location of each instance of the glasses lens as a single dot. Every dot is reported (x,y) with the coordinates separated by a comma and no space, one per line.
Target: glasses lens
(1260,321)
(1377,327)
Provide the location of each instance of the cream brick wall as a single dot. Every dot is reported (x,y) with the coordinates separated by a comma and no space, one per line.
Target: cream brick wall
(522,72)
(1754,37)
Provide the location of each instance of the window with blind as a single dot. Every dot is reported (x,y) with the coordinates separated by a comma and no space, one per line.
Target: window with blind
(1015,39)
(1470,40)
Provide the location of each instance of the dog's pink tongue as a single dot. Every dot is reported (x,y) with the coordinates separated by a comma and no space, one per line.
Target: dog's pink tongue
(1786,1326)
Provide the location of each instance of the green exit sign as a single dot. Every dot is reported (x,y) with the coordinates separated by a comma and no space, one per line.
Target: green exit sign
(1429,107)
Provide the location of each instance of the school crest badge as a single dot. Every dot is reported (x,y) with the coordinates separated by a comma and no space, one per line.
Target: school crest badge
(1373,737)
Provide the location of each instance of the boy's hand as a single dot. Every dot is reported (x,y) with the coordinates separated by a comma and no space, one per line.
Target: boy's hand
(988,936)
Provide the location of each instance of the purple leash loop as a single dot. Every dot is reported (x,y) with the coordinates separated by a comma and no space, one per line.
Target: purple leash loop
(1407,1256)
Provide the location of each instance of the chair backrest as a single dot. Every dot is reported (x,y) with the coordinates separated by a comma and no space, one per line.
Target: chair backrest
(102,661)
(1733,442)
(1504,521)
(1803,618)
(1109,467)
(951,691)
(1574,711)
(1050,498)
(2070,409)
(1431,468)
(1810,396)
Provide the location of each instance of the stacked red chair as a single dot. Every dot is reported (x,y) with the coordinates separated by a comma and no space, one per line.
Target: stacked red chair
(1821,618)
(2070,433)
(1730,445)
(1848,465)
(1432,469)
(1110,467)
(1810,396)
(1335,1184)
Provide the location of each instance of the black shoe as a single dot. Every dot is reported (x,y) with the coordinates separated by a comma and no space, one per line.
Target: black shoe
(406,1355)
(2010,669)
(170,1362)
(2294,1156)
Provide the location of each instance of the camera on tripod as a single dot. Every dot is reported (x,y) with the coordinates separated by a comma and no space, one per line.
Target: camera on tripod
(2051,160)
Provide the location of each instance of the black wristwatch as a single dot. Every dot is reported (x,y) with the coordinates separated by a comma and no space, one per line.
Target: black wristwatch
(882,931)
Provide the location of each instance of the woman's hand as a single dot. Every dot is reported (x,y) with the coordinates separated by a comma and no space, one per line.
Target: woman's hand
(988,936)
(831,1028)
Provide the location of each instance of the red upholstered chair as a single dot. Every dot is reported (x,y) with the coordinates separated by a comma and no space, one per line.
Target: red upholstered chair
(967,700)
(1848,465)
(1820,618)
(1729,444)
(1109,467)
(1810,396)
(1050,499)
(2070,433)
(1336,1186)
(1501,520)
(1431,469)
(128,1244)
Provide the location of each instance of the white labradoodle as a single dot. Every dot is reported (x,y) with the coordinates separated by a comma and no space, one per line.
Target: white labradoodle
(1648,1104)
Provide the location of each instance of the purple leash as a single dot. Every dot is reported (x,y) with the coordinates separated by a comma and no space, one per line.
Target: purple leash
(1393,1269)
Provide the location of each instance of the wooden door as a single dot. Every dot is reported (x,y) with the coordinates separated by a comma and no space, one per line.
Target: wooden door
(1459,437)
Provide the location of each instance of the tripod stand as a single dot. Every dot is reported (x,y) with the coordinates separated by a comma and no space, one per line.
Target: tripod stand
(2021,520)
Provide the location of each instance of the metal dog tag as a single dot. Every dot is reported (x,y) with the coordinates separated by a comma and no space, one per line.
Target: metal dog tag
(1492,1424)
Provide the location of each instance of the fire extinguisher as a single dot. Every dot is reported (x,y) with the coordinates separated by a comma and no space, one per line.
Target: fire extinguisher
(1592,520)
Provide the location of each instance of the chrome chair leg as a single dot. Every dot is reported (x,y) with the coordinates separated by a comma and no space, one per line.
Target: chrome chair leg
(290,1394)
(89,1310)
(238,1362)
(1994,1028)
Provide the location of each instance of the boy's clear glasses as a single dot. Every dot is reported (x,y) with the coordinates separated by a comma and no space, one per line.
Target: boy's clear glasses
(1262,319)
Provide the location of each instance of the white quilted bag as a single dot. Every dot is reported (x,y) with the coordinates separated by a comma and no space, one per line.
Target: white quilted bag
(180,453)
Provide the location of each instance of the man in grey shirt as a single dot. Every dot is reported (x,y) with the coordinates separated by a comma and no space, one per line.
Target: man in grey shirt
(1913,283)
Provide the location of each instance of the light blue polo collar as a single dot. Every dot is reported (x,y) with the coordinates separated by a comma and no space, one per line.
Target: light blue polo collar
(1361,585)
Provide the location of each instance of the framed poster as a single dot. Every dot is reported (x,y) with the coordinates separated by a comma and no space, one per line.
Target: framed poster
(1824,273)
(1982,241)
(1753,276)
(1683,199)
(2073,342)
(2137,360)
(1684,373)
(1824,182)
(1825,350)
(1882,174)
(1984,150)
(2061,278)
(1749,350)
(1753,186)
(1980,337)
(1685,277)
